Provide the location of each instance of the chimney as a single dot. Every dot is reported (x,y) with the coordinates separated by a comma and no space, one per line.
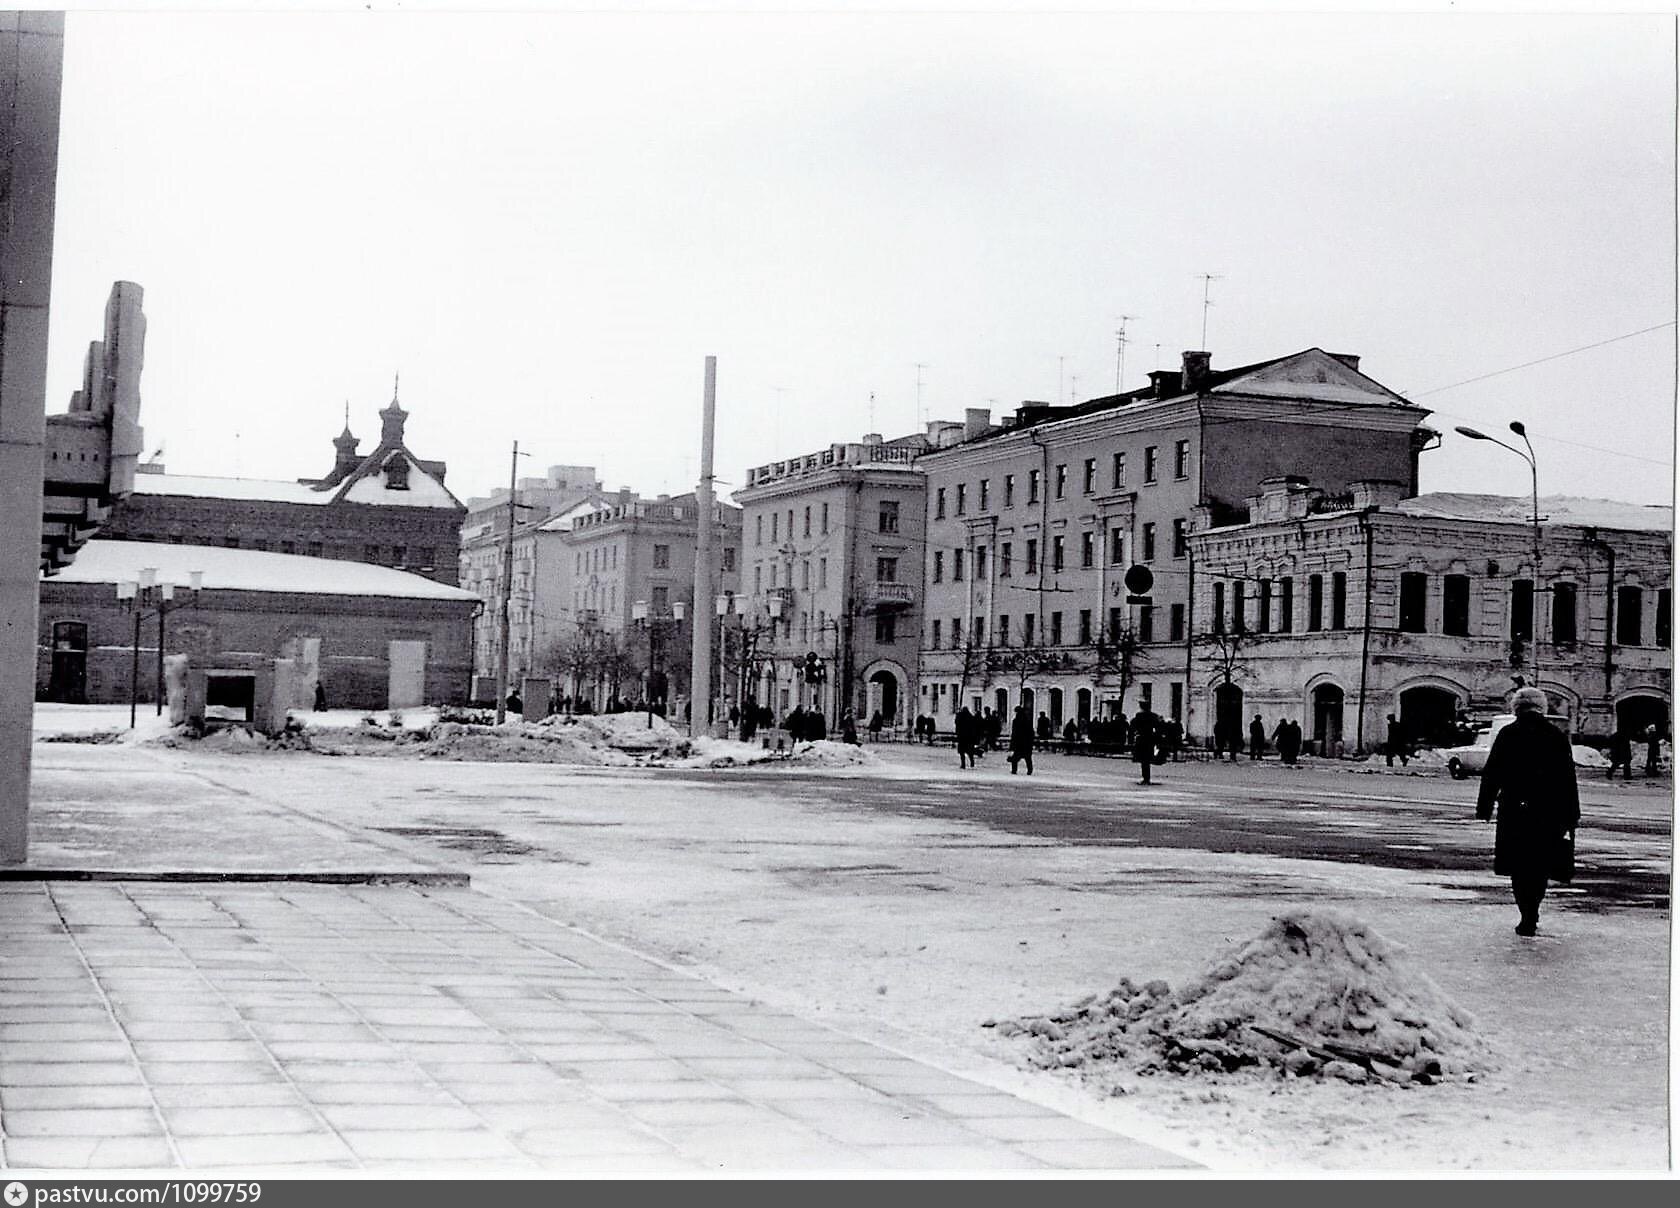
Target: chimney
(1377,492)
(872,438)
(976,421)
(346,459)
(1164,382)
(1031,412)
(1351,360)
(1197,366)
(1285,497)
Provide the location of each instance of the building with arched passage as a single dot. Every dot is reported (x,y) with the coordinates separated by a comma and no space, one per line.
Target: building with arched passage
(1336,610)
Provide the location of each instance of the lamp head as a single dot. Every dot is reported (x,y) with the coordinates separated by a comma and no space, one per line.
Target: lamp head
(1471,433)
(1517,427)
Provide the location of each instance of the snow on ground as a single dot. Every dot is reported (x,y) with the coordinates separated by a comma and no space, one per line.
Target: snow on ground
(338,719)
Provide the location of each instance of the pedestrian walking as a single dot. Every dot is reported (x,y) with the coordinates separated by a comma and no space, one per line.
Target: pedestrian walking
(515,702)
(1289,740)
(1396,744)
(1021,740)
(321,699)
(1653,751)
(1621,754)
(1256,738)
(994,730)
(1143,741)
(965,733)
(876,721)
(848,728)
(1530,774)
(1044,730)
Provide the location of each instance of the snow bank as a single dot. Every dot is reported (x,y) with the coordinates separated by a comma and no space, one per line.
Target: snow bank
(1590,757)
(1316,994)
(724,753)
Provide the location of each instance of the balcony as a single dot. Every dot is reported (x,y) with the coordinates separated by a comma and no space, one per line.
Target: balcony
(888,595)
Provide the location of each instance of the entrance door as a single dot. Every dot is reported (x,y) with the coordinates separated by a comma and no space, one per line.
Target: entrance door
(1027,704)
(1635,714)
(1082,704)
(1327,715)
(1428,714)
(1228,709)
(306,654)
(1056,708)
(407,688)
(883,695)
(69,663)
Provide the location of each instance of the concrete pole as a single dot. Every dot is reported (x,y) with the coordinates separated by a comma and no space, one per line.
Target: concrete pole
(705,606)
(505,605)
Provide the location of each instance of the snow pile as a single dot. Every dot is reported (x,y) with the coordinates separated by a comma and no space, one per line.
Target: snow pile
(1316,994)
(724,753)
(612,740)
(630,732)
(1590,757)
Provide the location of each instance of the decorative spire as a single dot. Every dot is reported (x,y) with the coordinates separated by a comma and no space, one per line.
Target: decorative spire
(396,381)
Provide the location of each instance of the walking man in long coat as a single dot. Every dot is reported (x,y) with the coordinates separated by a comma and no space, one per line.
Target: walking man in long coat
(1143,741)
(1021,740)
(1531,774)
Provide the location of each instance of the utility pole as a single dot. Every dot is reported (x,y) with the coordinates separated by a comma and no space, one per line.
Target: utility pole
(1207,283)
(700,634)
(507,587)
(921,419)
(1120,353)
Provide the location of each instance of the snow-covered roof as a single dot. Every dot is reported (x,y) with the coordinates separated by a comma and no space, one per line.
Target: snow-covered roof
(1554,509)
(423,491)
(206,487)
(102,561)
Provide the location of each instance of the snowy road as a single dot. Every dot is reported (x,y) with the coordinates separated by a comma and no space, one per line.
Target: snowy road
(910,904)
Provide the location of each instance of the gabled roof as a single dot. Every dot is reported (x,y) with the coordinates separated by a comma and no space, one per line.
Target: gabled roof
(1310,374)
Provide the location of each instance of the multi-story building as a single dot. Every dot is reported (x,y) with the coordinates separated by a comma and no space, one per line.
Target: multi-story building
(539,601)
(641,552)
(388,507)
(1032,526)
(832,568)
(1338,609)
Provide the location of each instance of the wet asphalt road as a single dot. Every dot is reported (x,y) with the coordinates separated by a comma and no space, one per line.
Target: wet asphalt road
(1425,824)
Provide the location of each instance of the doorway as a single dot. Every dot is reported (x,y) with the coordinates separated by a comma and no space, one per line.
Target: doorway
(1429,714)
(1327,701)
(407,686)
(69,663)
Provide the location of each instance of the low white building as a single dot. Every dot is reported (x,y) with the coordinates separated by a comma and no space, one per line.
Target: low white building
(1337,610)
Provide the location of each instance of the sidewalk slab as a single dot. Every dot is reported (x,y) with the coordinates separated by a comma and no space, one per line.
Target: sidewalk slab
(401,1027)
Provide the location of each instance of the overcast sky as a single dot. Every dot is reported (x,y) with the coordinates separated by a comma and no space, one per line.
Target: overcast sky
(547,221)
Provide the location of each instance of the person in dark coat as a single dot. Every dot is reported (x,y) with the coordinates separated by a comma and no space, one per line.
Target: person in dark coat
(1143,741)
(321,699)
(1044,730)
(876,721)
(965,732)
(1396,744)
(515,702)
(1256,737)
(994,730)
(1021,740)
(1621,754)
(848,728)
(1295,738)
(1653,750)
(1530,773)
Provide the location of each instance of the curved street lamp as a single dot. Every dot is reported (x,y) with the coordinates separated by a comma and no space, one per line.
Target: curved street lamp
(1534,486)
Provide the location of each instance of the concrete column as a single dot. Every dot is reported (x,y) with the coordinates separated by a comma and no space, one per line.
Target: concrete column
(31,69)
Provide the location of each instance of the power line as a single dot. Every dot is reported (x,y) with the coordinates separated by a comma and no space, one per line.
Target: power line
(1538,361)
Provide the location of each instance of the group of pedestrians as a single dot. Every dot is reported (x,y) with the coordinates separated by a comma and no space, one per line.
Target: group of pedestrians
(975,732)
(1621,752)
(1286,737)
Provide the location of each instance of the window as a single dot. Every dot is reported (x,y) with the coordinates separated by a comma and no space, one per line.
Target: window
(1664,618)
(1116,547)
(1338,600)
(985,493)
(1150,456)
(1003,629)
(1630,624)
(661,601)
(1177,701)
(956,565)
(1116,623)
(1563,614)
(1176,623)
(370,553)
(1149,541)
(399,555)
(1239,607)
(886,627)
(758,537)
(1181,537)
(1061,481)
(288,547)
(1218,617)
(1522,610)
(1181,459)
(886,570)
(1006,559)
(980,562)
(1090,475)
(1265,606)
(775,527)
(934,642)
(938,566)
(1055,629)
(1146,622)
(661,557)
(790,526)
(1032,555)
(729,559)
(1286,605)
(889,516)
(805,575)
(979,631)
(427,555)
(1084,626)
(1087,549)
(1455,605)
(1146,695)
(1009,490)
(939,503)
(1119,471)
(808,520)
(822,572)
(262,543)
(1032,486)
(962,498)
(1056,553)
(1027,620)
(956,633)
(315,548)
(1315,603)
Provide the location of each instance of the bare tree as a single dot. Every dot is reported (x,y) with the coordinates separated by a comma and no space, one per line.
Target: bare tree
(1225,655)
(1120,654)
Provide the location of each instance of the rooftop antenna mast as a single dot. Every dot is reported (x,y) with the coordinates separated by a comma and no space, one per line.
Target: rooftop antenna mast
(1120,352)
(921,418)
(872,411)
(1207,280)
(1061,380)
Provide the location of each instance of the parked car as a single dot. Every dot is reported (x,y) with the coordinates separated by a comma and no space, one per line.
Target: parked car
(1470,760)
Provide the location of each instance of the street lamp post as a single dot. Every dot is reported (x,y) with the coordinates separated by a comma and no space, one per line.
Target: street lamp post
(1534,489)
(143,592)
(645,619)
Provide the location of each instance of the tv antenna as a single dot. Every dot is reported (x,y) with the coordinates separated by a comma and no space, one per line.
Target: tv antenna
(1207,280)
(921,418)
(1120,352)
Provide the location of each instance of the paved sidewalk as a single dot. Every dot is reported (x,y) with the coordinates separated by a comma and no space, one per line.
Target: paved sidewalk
(393,1028)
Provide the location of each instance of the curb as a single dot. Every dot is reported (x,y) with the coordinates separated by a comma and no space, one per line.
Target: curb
(452,880)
